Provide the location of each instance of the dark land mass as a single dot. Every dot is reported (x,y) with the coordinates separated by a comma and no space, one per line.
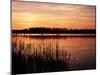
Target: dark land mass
(44,30)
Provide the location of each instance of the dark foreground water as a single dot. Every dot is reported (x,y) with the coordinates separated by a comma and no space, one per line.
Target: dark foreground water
(48,54)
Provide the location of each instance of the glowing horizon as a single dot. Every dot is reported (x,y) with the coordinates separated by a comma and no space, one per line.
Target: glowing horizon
(34,14)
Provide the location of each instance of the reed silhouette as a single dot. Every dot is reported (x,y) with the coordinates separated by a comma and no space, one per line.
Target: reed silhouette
(32,58)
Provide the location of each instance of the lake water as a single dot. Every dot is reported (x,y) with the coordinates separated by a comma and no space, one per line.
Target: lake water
(81,49)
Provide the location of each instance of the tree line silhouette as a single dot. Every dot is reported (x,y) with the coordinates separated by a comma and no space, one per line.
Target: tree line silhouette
(43,30)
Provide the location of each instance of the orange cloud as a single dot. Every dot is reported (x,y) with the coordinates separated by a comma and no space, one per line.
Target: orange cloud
(33,14)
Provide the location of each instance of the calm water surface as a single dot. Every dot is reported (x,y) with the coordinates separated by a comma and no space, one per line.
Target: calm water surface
(82,49)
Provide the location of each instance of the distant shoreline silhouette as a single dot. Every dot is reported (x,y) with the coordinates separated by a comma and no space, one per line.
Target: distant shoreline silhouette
(43,30)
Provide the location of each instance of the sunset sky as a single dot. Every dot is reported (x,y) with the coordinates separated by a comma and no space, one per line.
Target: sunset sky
(34,14)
